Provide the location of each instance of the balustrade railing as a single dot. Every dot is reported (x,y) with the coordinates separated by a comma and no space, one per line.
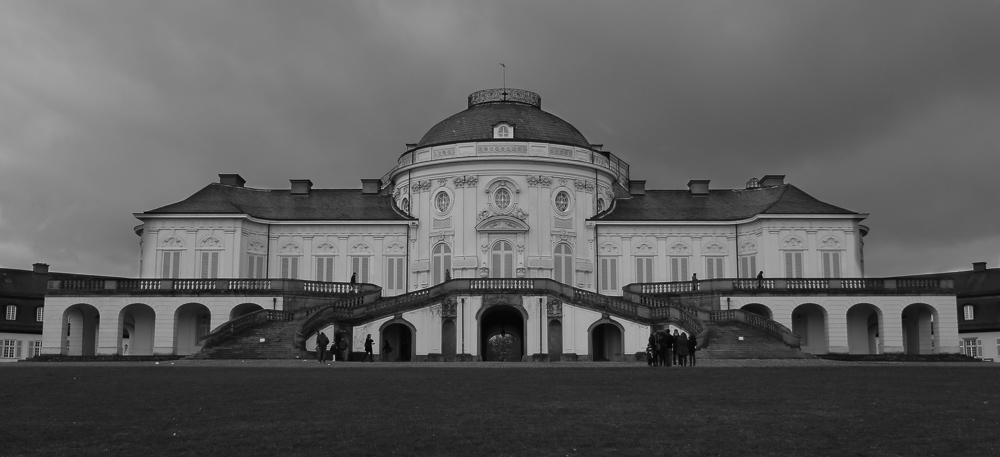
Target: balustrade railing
(249,284)
(242,323)
(887,285)
(771,327)
(138,284)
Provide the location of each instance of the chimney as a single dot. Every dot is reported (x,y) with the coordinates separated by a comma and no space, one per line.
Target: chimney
(772,180)
(43,268)
(371,186)
(596,146)
(636,187)
(411,146)
(231,179)
(301,186)
(978,266)
(698,187)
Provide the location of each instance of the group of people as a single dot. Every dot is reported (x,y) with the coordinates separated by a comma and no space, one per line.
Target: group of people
(665,349)
(336,349)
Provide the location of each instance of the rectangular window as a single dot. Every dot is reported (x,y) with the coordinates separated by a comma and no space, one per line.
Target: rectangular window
(359,267)
(255,266)
(969,312)
(643,269)
(973,347)
(748,266)
(679,269)
(34,349)
(39,314)
(11,349)
(290,268)
(12,312)
(395,277)
(209,268)
(793,264)
(324,269)
(609,273)
(831,264)
(171,264)
(714,267)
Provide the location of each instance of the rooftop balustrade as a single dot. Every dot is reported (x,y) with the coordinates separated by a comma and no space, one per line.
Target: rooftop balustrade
(798,285)
(124,286)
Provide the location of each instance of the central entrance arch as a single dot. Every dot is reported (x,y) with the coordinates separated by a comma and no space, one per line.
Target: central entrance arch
(501,334)
(606,338)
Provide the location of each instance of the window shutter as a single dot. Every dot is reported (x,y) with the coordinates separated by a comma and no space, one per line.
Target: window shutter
(836,264)
(165,273)
(675,266)
(17,349)
(390,273)
(204,265)
(215,265)
(284,267)
(176,271)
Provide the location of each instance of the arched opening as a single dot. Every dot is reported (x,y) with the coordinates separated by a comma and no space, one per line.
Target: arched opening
(555,340)
(191,324)
(440,263)
(606,342)
(400,337)
(80,324)
(243,309)
(758,309)
(864,329)
(563,264)
(449,339)
(809,323)
(140,321)
(918,329)
(501,330)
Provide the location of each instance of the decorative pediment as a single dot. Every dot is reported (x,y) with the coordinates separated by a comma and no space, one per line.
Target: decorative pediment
(361,248)
(793,242)
(714,248)
(290,248)
(326,248)
(210,242)
(256,247)
(748,247)
(609,249)
(679,249)
(395,248)
(501,223)
(830,242)
(644,249)
(172,242)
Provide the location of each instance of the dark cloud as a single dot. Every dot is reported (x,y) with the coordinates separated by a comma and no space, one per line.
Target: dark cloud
(111,108)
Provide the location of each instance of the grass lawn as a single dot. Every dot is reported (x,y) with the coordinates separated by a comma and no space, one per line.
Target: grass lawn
(144,409)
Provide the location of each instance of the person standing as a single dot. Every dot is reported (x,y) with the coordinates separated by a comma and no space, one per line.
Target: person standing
(386,350)
(673,354)
(321,342)
(692,347)
(368,348)
(681,347)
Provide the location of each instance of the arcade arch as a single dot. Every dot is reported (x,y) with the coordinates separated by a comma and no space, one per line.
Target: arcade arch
(809,322)
(191,324)
(138,320)
(401,335)
(606,341)
(864,328)
(919,335)
(758,309)
(243,309)
(80,324)
(501,330)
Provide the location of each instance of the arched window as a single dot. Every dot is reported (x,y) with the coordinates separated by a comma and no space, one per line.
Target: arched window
(503,260)
(440,262)
(563,259)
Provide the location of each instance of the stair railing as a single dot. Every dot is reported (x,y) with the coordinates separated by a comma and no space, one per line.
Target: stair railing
(229,329)
(772,327)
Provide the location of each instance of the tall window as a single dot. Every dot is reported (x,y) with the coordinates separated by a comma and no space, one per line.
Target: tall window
(831,264)
(12,312)
(563,264)
(503,260)
(679,269)
(171,264)
(440,262)
(324,268)
(609,273)
(209,267)
(359,267)
(714,267)
(969,312)
(39,314)
(11,349)
(793,264)
(34,348)
(256,266)
(644,269)
(748,266)
(290,268)
(395,275)
(972,347)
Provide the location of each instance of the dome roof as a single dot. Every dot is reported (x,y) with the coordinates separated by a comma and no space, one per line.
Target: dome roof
(520,108)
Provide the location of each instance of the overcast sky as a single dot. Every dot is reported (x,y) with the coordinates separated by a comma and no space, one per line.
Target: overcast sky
(890,108)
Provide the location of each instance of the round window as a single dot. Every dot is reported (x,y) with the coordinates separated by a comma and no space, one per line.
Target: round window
(442,201)
(501,198)
(562,201)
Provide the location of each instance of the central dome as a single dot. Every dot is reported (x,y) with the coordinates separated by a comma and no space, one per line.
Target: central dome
(487,108)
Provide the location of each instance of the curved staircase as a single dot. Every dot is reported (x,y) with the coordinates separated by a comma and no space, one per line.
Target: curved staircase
(734,340)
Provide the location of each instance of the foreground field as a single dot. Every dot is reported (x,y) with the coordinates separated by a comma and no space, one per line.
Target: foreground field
(555,409)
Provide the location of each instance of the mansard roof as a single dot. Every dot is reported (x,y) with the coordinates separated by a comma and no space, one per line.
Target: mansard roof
(719,205)
(281,204)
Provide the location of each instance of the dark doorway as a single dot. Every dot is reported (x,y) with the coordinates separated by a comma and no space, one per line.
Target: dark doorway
(606,343)
(400,338)
(501,334)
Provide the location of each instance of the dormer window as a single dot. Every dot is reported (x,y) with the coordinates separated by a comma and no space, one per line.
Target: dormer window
(503,130)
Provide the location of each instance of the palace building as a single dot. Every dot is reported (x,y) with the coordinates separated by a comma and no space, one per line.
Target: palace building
(503,234)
